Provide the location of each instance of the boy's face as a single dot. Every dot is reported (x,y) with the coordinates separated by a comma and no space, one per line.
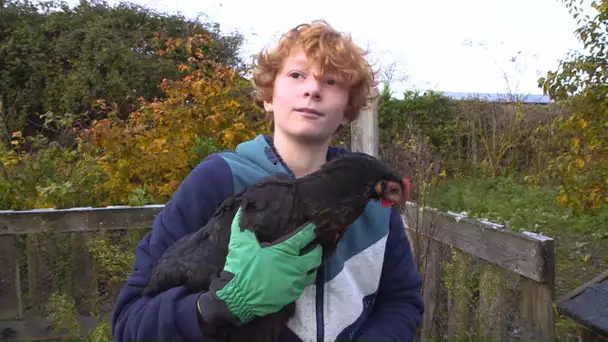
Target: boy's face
(303,106)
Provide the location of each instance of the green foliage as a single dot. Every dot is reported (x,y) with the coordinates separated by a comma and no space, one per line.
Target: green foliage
(429,115)
(520,207)
(101,333)
(62,59)
(135,157)
(115,261)
(52,177)
(460,280)
(207,110)
(581,84)
(581,248)
(63,315)
(128,101)
(469,136)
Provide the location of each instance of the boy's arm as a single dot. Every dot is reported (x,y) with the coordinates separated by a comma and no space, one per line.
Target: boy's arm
(171,315)
(398,308)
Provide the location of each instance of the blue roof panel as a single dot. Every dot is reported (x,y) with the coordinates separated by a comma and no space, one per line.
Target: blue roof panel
(497,97)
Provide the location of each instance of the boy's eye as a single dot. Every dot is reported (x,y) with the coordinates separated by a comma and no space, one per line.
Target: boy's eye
(331,82)
(295,75)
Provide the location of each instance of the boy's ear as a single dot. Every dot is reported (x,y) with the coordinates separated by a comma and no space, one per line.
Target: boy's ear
(267,106)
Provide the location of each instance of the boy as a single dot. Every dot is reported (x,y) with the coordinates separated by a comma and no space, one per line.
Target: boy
(312,84)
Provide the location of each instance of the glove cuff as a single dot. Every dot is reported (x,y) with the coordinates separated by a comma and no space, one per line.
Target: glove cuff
(214,314)
(230,296)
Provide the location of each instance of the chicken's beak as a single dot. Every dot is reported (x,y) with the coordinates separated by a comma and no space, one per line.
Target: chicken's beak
(379,189)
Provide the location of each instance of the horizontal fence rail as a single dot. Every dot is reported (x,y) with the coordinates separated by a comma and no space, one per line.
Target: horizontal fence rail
(480,280)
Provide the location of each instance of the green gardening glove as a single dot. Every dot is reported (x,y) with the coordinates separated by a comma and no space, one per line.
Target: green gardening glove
(265,279)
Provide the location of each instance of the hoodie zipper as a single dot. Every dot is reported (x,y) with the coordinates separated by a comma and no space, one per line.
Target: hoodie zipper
(319,281)
(319,303)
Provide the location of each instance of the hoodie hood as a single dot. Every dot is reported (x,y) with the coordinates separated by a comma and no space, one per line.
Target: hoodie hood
(262,153)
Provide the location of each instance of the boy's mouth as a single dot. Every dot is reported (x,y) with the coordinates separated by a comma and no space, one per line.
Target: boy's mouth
(308,111)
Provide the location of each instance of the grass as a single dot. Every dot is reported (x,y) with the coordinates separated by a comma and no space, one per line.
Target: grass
(581,241)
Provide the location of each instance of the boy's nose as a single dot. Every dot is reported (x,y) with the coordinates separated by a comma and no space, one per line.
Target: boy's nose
(312,88)
(315,95)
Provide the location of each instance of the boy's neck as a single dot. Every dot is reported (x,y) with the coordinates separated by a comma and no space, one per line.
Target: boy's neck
(301,158)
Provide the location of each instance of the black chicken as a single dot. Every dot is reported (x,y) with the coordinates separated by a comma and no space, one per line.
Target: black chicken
(332,197)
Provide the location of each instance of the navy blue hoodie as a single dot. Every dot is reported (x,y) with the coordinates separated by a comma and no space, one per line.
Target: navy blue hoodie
(368,291)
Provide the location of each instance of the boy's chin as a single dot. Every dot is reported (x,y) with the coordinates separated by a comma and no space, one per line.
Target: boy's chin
(312,135)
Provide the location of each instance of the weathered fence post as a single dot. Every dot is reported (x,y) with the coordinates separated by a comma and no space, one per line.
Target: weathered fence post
(365,135)
(11,304)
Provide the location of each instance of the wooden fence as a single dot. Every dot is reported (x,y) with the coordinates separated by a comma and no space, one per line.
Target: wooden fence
(451,312)
(480,281)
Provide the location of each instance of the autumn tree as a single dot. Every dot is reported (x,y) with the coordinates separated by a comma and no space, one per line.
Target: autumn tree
(580,83)
(61,60)
(209,109)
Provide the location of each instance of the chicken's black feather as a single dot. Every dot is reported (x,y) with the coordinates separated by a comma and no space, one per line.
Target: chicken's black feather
(332,197)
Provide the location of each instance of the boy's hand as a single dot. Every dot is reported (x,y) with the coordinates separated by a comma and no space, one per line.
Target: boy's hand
(261,280)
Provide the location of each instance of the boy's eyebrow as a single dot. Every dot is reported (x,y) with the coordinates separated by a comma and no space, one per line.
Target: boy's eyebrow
(301,62)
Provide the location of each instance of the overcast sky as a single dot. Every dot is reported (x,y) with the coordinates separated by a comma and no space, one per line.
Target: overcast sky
(445,45)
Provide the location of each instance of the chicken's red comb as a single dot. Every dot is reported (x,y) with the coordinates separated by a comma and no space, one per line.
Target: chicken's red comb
(406,186)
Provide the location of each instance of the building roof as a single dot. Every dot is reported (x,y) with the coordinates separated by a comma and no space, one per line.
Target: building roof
(588,304)
(498,97)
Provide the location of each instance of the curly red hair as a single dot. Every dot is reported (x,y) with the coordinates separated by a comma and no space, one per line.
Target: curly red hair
(335,52)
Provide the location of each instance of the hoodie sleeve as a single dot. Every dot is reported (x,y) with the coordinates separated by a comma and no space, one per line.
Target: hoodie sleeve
(398,308)
(171,315)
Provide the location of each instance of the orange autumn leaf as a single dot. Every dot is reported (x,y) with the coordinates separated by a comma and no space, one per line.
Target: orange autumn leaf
(162,140)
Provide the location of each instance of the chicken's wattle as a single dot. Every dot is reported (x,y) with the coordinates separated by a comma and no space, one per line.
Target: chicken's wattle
(386,203)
